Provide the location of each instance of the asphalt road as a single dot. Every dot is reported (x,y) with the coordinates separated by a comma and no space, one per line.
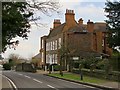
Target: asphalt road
(33,81)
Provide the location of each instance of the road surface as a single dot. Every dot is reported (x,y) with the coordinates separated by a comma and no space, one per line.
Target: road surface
(33,81)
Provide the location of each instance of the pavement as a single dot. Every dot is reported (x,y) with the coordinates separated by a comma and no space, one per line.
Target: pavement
(111,85)
(5,84)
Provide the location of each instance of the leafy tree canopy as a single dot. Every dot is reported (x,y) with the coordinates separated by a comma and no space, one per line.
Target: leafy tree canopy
(113,14)
(16,18)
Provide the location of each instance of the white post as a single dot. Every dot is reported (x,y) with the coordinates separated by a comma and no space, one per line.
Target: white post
(52,68)
(45,68)
(67,67)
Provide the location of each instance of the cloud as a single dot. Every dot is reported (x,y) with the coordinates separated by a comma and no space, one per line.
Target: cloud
(90,11)
(86,10)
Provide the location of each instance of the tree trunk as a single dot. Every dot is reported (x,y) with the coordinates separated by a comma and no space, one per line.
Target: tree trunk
(61,73)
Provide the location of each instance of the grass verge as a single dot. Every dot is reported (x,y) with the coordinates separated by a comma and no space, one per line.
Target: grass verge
(76,77)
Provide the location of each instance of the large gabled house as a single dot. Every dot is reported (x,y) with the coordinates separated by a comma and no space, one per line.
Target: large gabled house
(82,40)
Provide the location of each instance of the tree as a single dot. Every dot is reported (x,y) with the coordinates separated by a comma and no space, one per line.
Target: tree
(11,62)
(63,52)
(113,14)
(14,22)
(14,59)
(17,16)
(35,62)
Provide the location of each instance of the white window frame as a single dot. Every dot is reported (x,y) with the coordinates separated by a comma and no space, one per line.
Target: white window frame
(59,43)
(42,56)
(42,43)
(55,44)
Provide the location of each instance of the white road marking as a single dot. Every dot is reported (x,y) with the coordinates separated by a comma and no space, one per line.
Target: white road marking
(11,82)
(50,86)
(20,74)
(27,76)
(37,81)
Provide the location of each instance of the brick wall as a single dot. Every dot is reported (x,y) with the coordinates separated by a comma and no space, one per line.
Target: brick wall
(80,41)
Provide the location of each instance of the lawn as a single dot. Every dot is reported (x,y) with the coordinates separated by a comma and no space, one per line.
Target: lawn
(76,77)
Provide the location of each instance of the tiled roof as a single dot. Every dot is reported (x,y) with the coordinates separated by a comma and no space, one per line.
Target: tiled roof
(100,27)
(56,30)
(38,56)
(76,29)
(59,29)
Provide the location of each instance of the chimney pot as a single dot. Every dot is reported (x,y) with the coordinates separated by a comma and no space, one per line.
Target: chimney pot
(90,26)
(80,21)
(69,16)
(89,20)
(56,23)
(72,11)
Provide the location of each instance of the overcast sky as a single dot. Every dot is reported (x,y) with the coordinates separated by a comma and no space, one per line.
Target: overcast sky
(86,10)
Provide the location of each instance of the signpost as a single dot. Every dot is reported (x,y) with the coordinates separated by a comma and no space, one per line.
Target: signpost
(75,58)
(80,66)
(81,74)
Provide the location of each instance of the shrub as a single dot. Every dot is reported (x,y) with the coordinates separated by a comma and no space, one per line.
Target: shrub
(100,65)
(115,63)
(56,67)
(76,65)
(88,61)
(7,66)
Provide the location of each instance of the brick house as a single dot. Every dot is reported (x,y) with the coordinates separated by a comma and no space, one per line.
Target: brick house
(80,39)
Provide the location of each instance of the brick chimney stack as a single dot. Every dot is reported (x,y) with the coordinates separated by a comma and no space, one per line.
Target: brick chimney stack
(90,26)
(56,23)
(69,16)
(80,21)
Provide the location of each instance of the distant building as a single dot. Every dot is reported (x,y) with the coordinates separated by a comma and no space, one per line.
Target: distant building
(37,59)
(82,40)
